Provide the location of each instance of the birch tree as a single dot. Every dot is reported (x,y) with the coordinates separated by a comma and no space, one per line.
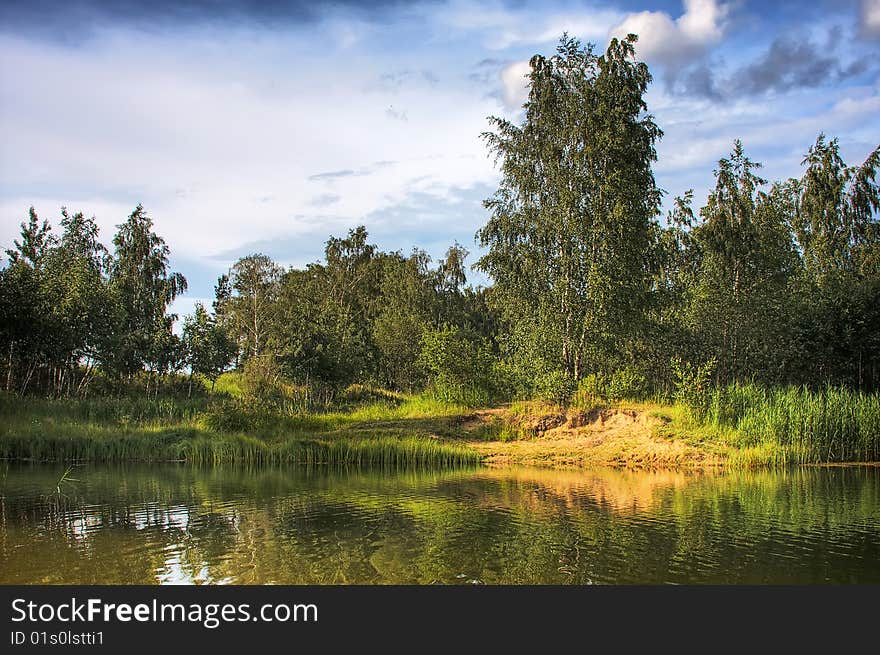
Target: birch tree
(571,222)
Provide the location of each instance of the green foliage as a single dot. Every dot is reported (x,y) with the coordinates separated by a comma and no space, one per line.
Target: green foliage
(511,382)
(459,365)
(247,302)
(693,385)
(261,382)
(140,288)
(572,218)
(556,387)
(621,384)
(208,348)
(796,425)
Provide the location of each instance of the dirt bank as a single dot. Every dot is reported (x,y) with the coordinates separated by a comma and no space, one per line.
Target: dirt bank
(541,435)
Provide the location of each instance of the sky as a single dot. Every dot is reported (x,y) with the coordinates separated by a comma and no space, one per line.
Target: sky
(248,126)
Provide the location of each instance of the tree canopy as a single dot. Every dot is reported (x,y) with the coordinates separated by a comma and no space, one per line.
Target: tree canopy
(771,282)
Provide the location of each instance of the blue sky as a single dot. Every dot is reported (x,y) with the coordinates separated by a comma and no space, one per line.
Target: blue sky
(252,126)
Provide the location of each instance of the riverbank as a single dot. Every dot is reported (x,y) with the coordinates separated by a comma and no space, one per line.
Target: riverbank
(629,435)
(395,430)
(221,432)
(736,427)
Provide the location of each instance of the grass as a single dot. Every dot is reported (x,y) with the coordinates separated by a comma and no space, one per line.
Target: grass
(750,426)
(739,426)
(378,434)
(794,425)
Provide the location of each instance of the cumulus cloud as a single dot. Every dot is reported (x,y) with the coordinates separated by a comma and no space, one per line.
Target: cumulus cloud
(792,63)
(671,41)
(661,38)
(789,63)
(702,20)
(870,17)
(514,85)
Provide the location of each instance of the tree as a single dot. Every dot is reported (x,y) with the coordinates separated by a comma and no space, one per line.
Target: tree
(248,307)
(20,322)
(571,221)
(26,311)
(354,276)
(142,286)
(209,349)
(729,245)
(406,300)
(36,241)
(835,224)
(459,365)
(75,287)
(166,354)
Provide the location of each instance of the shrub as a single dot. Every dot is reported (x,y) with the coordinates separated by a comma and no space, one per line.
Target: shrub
(509,382)
(627,383)
(555,387)
(460,366)
(692,385)
(621,384)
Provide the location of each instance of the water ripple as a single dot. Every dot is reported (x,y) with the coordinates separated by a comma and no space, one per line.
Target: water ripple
(178,525)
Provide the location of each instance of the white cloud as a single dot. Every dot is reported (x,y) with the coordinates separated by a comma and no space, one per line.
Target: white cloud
(515,84)
(669,41)
(702,20)
(660,37)
(870,16)
(218,139)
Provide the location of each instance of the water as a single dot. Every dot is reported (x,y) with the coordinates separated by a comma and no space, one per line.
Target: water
(177,524)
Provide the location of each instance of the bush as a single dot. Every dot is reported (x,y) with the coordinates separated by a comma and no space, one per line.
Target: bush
(555,387)
(227,416)
(622,384)
(510,383)
(692,385)
(356,395)
(460,366)
(628,383)
(261,382)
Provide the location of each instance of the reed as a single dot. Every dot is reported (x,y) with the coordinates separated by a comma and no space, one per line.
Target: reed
(87,430)
(795,425)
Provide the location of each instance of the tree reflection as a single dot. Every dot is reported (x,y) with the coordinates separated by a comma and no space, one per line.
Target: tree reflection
(177,524)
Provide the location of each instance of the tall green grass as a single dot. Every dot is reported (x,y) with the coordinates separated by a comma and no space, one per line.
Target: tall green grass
(127,410)
(388,451)
(225,432)
(794,425)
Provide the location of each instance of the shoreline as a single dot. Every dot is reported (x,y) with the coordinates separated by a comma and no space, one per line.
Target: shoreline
(404,432)
(416,433)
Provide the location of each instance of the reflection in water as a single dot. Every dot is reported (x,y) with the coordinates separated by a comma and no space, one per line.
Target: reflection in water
(176,524)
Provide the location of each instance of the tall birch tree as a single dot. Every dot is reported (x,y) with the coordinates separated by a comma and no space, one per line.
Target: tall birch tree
(571,222)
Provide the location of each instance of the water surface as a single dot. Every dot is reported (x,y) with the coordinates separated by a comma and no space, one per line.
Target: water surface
(178,524)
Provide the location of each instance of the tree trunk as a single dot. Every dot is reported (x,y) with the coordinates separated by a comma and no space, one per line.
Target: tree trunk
(9,369)
(27,378)
(256,327)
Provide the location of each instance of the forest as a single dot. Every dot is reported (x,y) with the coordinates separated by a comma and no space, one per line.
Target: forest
(774,286)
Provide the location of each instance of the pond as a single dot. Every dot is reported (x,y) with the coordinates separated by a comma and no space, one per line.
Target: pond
(166,524)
